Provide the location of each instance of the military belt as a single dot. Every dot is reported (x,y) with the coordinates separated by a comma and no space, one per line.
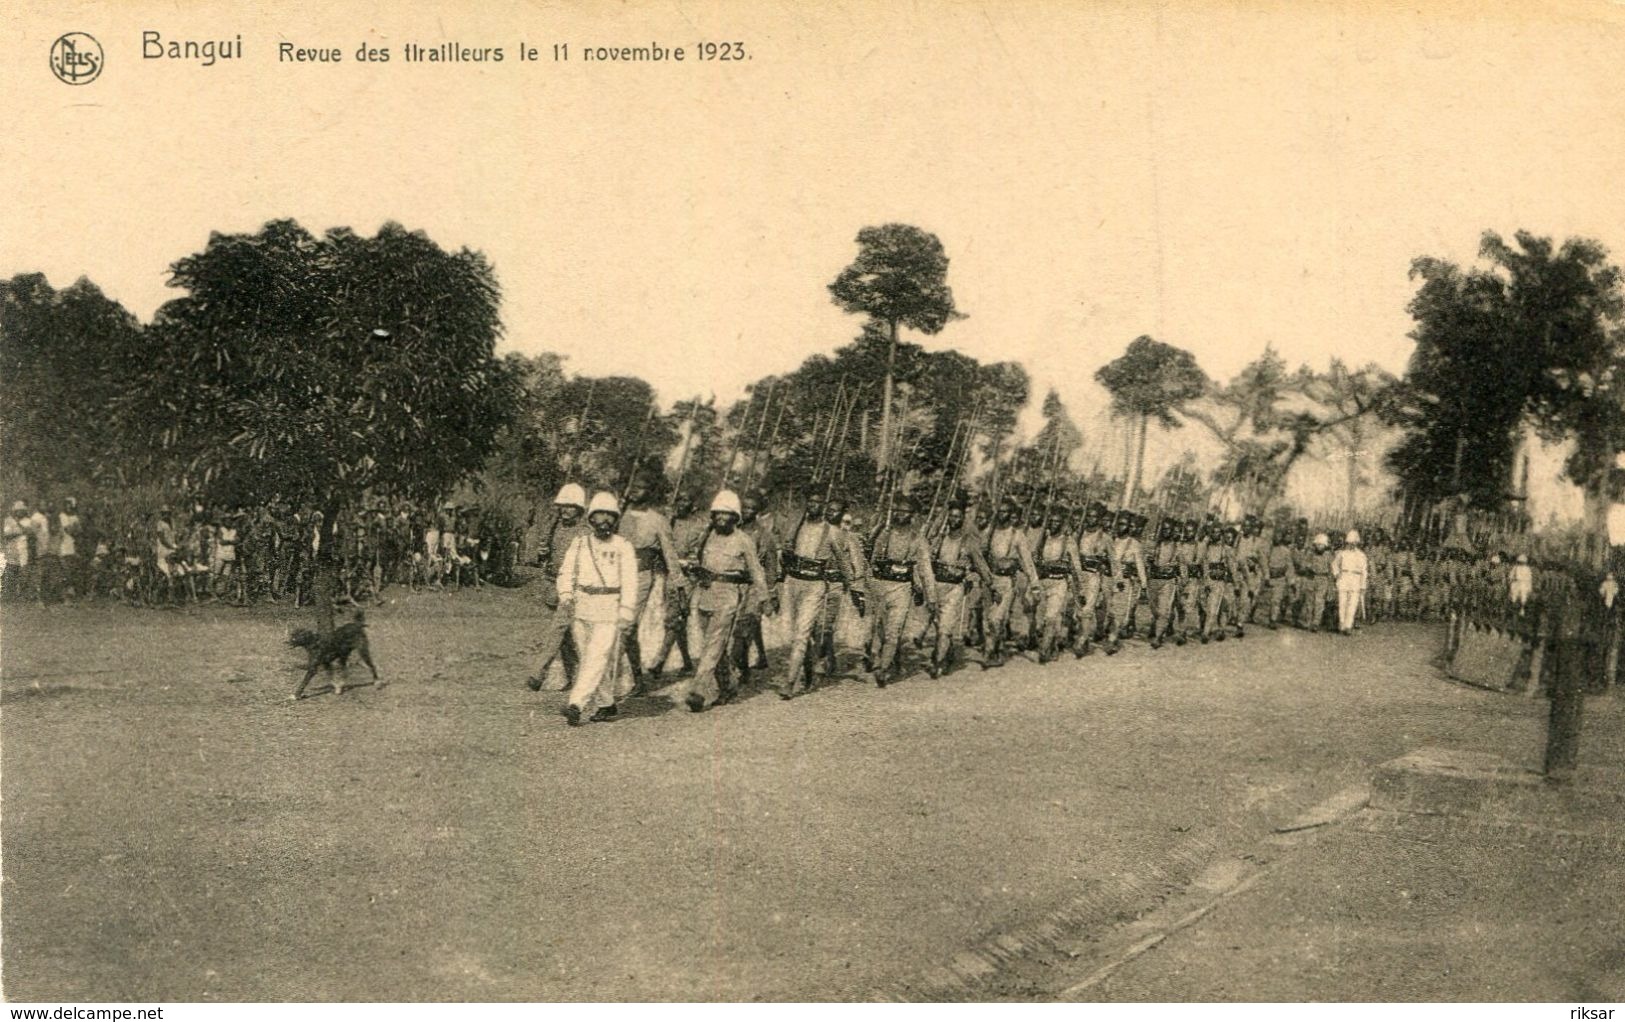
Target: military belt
(889,570)
(1054,569)
(950,573)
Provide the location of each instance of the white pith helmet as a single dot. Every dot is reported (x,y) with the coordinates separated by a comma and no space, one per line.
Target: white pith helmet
(1321,539)
(1352,537)
(726,501)
(571,495)
(603,500)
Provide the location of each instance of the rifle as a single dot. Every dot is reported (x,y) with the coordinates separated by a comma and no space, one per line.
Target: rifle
(637,450)
(755,448)
(823,436)
(733,444)
(682,457)
(581,429)
(772,439)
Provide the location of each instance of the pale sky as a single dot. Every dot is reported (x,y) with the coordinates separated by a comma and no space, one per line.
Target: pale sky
(1220,176)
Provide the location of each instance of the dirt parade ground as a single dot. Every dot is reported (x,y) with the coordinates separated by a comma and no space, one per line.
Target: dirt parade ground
(176,830)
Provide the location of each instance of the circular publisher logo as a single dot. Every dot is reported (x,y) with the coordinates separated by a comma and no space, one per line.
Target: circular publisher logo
(76,58)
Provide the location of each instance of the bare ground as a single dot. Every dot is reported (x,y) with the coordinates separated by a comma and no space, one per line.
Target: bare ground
(174,829)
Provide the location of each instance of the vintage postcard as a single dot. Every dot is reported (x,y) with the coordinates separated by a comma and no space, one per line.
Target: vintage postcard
(802,502)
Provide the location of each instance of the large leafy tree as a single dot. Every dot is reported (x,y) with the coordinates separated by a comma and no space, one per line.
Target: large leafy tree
(1150,381)
(324,369)
(1531,336)
(64,358)
(899,278)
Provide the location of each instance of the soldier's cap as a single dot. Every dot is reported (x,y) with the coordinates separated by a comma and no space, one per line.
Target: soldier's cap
(1321,539)
(905,503)
(19,505)
(754,496)
(956,505)
(603,500)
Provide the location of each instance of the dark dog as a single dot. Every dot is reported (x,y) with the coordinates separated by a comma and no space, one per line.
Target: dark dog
(325,650)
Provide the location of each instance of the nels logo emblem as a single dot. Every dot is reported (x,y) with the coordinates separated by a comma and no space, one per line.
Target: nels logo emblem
(76,58)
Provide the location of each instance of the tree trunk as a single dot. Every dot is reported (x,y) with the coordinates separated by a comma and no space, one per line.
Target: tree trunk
(1596,516)
(885,399)
(1133,485)
(1128,464)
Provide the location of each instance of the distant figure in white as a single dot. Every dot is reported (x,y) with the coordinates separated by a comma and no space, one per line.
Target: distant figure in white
(1521,583)
(598,590)
(1349,570)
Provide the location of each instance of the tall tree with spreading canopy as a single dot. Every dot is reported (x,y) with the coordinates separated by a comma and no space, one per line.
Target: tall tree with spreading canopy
(900,278)
(1533,336)
(64,357)
(1150,380)
(324,369)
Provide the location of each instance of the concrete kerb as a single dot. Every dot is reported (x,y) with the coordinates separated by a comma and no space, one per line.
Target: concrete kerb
(1484,786)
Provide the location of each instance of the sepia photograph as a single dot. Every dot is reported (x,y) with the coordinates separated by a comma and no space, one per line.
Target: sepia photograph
(724,502)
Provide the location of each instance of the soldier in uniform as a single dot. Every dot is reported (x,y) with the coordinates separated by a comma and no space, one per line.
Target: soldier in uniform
(1222,571)
(730,579)
(1129,558)
(976,598)
(900,571)
(556,641)
(1191,554)
(851,551)
(814,550)
(1024,621)
(748,629)
(1279,569)
(687,530)
(1165,576)
(1315,579)
(1060,575)
(1095,554)
(1007,555)
(1251,551)
(650,535)
(598,590)
(956,557)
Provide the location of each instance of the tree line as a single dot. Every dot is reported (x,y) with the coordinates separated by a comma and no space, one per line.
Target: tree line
(329,369)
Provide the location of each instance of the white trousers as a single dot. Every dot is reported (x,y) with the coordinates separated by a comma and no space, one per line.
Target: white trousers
(1348,603)
(598,675)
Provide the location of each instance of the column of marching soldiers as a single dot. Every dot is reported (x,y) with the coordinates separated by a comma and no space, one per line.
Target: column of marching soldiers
(988,580)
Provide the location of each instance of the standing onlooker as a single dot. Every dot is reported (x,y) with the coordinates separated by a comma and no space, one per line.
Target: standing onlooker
(17,532)
(163,551)
(1520,583)
(68,534)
